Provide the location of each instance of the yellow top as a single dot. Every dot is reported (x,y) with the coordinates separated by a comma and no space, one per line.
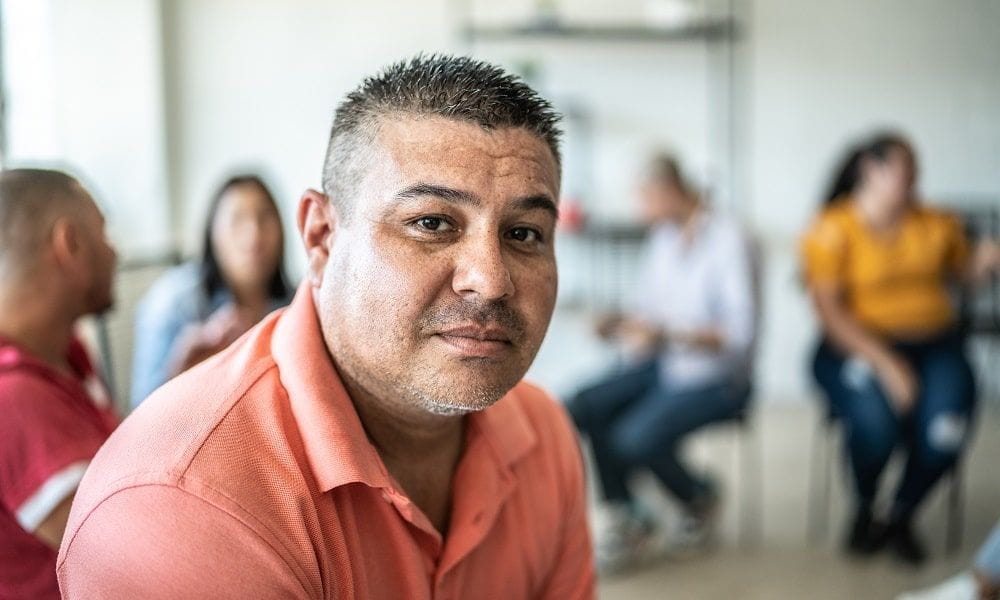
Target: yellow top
(893,283)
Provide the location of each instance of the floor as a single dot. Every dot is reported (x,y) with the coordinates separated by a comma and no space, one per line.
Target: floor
(783,561)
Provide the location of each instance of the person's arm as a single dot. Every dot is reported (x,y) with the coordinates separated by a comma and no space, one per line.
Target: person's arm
(51,529)
(159,542)
(825,249)
(983,263)
(847,334)
(44,452)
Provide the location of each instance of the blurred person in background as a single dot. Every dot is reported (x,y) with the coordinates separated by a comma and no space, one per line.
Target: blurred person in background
(692,325)
(981,582)
(55,266)
(880,267)
(202,306)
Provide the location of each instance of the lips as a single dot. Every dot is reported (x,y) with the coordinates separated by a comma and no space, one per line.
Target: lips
(476,341)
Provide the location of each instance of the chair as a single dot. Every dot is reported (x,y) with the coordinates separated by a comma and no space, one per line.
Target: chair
(748,449)
(819,500)
(750,476)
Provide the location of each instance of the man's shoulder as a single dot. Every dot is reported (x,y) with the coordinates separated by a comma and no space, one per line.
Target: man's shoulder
(25,388)
(216,408)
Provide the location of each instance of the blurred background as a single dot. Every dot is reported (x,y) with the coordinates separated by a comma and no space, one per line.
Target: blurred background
(153,102)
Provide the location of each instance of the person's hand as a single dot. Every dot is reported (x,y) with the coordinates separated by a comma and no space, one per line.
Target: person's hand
(201,340)
(606,326)
(226,324)
(900,383)
(639,336)
(986,259)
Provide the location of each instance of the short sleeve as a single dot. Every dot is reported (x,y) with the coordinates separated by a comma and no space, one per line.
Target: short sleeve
(161,542)
(45,447)
(824,249)
(956,245)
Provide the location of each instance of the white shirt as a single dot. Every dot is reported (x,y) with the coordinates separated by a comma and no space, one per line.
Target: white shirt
(693,284)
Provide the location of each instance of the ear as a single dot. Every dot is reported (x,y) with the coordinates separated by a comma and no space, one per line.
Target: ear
(65,240)
(316,219)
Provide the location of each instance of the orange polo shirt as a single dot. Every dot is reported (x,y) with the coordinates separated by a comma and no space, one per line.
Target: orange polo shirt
(251,476)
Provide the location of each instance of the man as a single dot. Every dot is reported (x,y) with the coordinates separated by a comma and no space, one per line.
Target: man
(372,440)
(693,323)
(55,267)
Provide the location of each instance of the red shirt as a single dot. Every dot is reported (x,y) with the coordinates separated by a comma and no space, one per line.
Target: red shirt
(251,476)
(51,425)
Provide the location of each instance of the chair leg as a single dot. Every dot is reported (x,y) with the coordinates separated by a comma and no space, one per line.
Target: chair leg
(816,513)
(752,480)
(956,510)
(829,456)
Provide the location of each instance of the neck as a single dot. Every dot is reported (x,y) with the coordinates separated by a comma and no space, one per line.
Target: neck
(252,296)
(37,326)
(690,213)
(421,451)
(402,433)
(873,211)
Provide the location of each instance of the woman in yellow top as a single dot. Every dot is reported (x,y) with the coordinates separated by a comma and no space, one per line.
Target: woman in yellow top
(881,268)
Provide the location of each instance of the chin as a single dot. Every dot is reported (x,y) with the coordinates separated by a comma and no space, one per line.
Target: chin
(473,397)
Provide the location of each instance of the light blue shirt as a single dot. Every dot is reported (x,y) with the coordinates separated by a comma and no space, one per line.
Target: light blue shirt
(704,282)
(176,300)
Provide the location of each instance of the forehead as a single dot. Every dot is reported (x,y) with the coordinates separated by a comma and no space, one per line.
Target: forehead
(464,155)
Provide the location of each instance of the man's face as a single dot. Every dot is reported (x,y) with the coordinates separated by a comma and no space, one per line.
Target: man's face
(438,287)
(100,258)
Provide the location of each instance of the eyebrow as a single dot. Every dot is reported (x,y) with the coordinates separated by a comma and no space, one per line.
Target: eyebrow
(444,193)
(456,196)
(539,201)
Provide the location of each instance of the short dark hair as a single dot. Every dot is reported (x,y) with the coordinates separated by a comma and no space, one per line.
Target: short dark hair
(455,87)
(212,278)
(30,199)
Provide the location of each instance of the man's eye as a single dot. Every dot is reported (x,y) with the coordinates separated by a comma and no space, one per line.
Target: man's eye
(524,234)
(435,224)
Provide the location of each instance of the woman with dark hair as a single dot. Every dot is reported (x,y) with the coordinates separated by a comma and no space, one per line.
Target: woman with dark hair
(880,267)
(200,307)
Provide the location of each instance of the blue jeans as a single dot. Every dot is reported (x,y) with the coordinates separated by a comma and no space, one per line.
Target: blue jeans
(934,433)
(635,420)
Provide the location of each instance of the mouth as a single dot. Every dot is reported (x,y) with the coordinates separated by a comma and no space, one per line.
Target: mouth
(476,341)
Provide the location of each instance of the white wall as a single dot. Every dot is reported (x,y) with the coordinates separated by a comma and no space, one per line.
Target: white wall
(824,72)
(253,83)
(84,91)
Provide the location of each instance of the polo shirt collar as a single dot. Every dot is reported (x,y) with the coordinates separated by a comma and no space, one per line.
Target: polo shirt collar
(335,442)
(506,428)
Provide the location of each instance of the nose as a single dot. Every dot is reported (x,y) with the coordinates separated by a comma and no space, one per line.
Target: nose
(481,272)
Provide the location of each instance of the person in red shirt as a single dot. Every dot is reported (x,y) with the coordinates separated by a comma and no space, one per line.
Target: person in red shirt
(374,439)
(55,266)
